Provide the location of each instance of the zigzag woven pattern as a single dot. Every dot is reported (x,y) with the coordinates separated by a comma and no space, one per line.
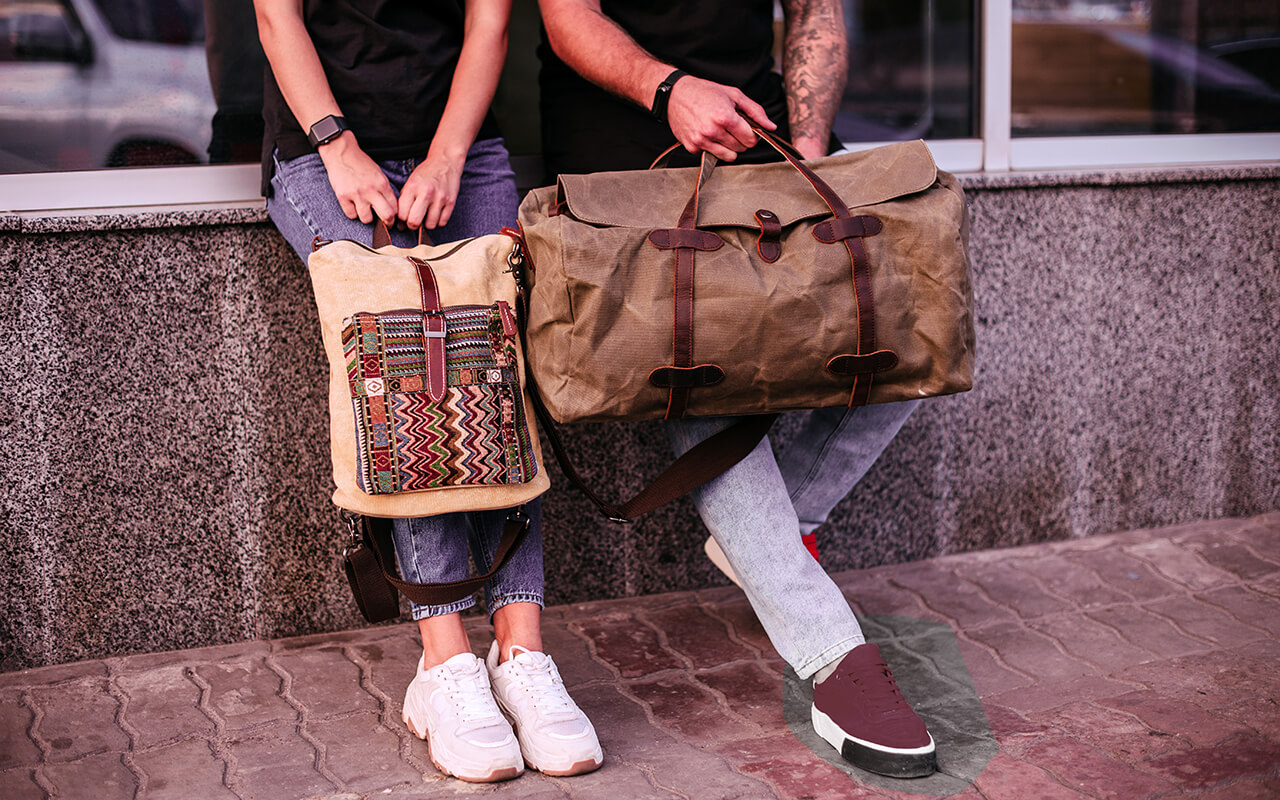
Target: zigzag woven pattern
(476,435)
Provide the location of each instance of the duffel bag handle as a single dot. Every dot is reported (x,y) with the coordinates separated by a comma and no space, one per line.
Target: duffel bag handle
(686,240)
(664,158)
(382,234)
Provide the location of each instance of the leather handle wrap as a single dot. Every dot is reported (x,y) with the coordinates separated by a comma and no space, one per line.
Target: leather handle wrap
(382,235)
(433,329)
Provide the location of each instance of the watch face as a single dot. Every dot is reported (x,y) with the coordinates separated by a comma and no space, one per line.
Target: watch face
(326,129)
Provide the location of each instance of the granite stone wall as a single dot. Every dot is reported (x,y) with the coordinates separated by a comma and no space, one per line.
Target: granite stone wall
(164,440)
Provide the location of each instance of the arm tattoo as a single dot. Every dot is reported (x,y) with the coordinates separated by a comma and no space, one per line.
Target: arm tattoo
(815,65)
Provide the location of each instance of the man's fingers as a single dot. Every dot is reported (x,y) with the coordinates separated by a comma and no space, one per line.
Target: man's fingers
(756,113)
(738,134)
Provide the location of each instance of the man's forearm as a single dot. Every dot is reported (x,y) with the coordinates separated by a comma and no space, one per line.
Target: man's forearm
(815,65)
(600,51)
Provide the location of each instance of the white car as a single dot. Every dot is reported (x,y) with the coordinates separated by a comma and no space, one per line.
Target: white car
(86,84)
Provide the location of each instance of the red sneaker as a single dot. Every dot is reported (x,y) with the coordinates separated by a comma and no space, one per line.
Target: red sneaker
(810,541)
(859,711)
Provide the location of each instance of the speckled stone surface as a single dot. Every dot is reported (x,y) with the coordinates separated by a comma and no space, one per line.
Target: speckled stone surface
(164,436)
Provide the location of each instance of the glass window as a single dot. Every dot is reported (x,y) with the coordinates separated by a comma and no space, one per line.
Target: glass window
(88,84)
(1097,67)
(911,71)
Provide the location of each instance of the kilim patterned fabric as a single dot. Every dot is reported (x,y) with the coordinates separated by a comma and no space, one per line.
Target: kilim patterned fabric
(476,435)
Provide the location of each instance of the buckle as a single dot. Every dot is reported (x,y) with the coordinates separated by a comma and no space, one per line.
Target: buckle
(355,534)
(427,333)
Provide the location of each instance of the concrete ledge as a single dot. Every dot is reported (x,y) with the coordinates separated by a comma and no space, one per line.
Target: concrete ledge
(165,445)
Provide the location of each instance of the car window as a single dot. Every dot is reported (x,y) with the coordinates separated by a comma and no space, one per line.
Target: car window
(38,30)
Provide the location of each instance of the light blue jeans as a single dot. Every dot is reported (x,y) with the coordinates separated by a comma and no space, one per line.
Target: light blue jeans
(429,549)
(758,509)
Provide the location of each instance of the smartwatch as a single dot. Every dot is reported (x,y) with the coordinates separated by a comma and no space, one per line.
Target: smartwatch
(663,95)
(326,130)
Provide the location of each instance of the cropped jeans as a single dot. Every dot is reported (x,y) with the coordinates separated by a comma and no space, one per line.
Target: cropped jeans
(429,549)
(758,509)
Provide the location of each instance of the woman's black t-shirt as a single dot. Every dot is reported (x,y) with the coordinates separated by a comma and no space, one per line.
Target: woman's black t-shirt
(390,65)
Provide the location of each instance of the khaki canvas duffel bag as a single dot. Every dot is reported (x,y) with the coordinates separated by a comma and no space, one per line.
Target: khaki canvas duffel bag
(749,289)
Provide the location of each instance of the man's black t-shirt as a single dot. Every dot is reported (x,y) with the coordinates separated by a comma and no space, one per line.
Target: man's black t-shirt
(389,64)
(586,129)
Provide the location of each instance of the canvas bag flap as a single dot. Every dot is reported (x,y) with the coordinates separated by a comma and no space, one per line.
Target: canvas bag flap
(348,277)
(654,198)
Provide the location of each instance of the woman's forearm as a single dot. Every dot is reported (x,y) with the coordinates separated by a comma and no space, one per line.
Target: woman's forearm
(475,79)
(294,62)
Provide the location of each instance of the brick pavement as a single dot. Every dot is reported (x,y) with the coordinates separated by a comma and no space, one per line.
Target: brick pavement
(1130,666)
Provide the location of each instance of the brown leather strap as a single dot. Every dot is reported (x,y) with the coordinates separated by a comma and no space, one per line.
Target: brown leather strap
(675,238)
(835,230)
(769,244)
(382,235)
(847,364)
(666,155)
(686,240)
(378,535)
(433,329)
(843,230)
(861,392)
(701,375)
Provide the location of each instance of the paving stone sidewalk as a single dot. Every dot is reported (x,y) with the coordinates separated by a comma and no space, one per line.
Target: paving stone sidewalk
(1135,665)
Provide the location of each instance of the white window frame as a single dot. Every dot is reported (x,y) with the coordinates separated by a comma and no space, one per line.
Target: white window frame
(61,193)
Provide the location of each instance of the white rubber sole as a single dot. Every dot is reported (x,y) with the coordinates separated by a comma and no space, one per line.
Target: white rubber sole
(558,766)
(471,773)
(896,762)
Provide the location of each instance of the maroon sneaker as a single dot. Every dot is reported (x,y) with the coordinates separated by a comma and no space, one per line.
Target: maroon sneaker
(859,710)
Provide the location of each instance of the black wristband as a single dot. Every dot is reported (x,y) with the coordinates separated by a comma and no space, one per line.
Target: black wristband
(663,95)
(326,130)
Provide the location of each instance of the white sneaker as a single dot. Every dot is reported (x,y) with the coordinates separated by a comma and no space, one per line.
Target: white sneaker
(451,706)
(556,738)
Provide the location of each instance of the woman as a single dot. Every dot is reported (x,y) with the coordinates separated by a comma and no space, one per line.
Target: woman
(379,108)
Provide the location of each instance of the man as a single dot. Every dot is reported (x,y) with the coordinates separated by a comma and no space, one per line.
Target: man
(621,81)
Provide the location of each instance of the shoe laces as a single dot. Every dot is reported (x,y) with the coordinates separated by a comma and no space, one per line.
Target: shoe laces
(537,677)
(879,689)
(469,693)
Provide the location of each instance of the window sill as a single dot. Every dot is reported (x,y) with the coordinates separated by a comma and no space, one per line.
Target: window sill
(253,212)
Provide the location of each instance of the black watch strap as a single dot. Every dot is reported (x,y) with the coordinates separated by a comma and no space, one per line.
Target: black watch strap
(326,130)
(663,95)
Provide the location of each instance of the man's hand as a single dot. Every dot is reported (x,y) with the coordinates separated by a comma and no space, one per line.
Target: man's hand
(428,197)
(362,190)
(709,116)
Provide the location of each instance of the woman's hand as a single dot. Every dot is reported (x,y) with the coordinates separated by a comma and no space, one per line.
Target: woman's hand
(362,190)
(431,192)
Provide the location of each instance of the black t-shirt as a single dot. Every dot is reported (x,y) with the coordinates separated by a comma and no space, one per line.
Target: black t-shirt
(586,129)
(389,64)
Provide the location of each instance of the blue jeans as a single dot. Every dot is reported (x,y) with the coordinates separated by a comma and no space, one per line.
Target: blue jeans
(758,509)
(429,549)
